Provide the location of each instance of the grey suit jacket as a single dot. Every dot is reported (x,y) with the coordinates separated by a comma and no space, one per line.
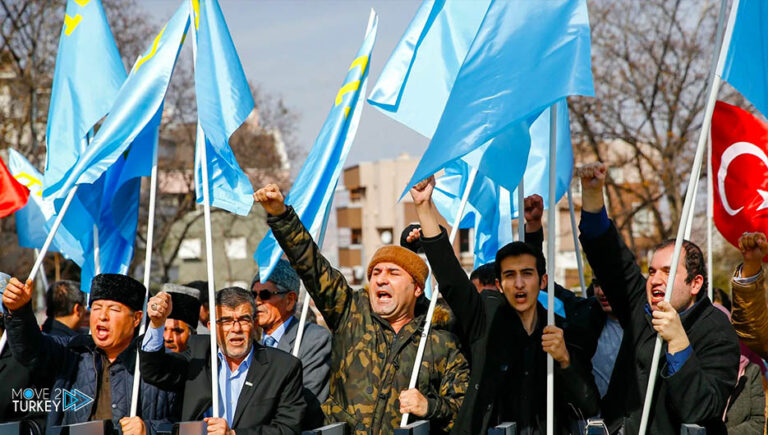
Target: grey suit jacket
(314,353)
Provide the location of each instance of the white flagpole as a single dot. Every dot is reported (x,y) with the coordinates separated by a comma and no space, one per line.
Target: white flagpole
(52,233)
(436,292)
(710,197)
(576,246)
(551,234)
(43,278)
(692,212)
(699,157)
(96,258)
(208,244)
(147,272)
(521,210)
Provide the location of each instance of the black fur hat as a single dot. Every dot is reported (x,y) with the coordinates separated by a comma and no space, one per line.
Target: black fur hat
(118,288)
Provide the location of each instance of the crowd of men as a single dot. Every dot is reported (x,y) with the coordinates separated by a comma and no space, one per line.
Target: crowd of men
(484,362)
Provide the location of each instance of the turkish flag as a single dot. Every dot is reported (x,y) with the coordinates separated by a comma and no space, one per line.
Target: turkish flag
(13,195)
(740,169)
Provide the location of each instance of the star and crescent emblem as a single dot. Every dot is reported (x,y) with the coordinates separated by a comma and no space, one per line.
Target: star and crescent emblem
(729,155)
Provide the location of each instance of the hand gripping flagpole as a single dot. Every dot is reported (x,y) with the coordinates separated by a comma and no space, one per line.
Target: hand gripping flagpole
(551,234)
(147,271)
(208,242)
(689,197)
(436,292)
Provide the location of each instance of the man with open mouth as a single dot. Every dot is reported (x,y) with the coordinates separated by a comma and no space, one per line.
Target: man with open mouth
(100,365)
(260,388)
(508,335)
(375,333)
(700,360)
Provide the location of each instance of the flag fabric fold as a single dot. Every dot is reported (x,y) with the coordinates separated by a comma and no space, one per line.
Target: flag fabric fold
(524,57)
(415,83)
(135,106)
(224,101)
(508,62)
(82,93)
(746,66)
(33,222)
(312,192)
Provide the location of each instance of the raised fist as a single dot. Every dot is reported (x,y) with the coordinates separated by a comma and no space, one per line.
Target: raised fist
(422,191)
(534,209)
(159,308)
(592,176)
(271,199)
(753,247)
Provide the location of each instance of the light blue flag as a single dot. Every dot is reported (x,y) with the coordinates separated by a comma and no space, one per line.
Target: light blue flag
(87,78)
(135,106)
(537,170)
(312,193)
(746,67)
(224,101)
(36,218)
(415,83)
(117,196)
(525,56)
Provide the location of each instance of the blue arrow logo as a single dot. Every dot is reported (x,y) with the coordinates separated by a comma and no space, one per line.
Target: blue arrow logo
(75,400)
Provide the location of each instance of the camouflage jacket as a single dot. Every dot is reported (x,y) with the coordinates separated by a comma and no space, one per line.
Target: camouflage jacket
(370,364)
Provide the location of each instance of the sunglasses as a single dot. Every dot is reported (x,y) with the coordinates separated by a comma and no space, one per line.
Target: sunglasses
(265,295)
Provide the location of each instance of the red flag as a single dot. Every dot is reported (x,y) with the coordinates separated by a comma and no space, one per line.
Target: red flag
(13,195)
(740,169)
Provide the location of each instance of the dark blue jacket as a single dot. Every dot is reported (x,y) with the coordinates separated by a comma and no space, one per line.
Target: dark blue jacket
(75,364)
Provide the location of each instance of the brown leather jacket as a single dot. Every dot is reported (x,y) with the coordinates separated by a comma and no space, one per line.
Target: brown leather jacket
(750,313)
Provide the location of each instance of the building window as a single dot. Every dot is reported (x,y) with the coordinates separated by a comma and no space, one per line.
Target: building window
(356,236)
(235,248)
(190,249)
(357,194)
(465,241)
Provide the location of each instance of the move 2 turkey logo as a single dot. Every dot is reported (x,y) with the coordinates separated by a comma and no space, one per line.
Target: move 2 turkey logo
(48,400)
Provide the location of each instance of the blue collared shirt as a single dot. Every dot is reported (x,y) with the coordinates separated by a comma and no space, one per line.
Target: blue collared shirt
(230,382)
(278,333)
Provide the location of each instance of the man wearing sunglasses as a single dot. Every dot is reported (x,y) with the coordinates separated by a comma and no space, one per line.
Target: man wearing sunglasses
(260,389)
(276,301)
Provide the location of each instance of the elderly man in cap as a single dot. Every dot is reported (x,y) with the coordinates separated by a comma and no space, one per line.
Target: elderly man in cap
(182,321)
(376,333)
(276,301)
(100,365)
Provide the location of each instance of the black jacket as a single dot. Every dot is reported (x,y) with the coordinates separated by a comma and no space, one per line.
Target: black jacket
(271,401)
(496,337)
(698,391)
(74,364)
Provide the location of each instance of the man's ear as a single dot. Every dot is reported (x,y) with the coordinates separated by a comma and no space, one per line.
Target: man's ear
(292,299)
(543,282)
(418,291)
(696,285)
(137,315)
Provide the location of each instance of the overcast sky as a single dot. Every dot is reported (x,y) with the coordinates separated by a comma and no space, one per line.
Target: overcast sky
(301,49)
